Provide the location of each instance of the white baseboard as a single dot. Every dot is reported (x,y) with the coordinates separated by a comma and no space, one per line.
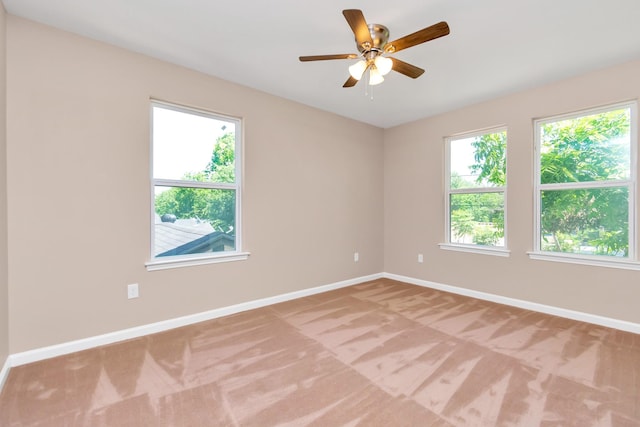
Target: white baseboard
(4,373)
(43,353)
(527,305)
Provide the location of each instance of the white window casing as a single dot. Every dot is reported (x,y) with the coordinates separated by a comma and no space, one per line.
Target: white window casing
(186,234)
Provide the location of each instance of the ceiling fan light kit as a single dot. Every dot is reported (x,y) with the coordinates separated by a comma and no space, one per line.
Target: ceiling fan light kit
(374,47)
(357,70)
(375,77)
(383,64)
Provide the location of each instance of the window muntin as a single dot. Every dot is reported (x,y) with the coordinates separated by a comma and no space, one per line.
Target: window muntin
(195,171)
(476,183)
(585,178)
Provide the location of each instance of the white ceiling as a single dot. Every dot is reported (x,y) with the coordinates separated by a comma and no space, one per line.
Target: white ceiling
(495,46)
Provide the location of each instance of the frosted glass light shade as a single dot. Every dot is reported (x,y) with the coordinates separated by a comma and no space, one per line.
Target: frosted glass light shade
(383,65)
(356,70)
(375,78)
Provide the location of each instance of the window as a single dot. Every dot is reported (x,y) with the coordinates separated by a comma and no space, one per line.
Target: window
(196,187)
(585,182)
(475,190)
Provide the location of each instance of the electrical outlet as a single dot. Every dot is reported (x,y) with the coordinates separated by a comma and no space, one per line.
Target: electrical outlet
(132,291)
(420,258)
(356,257)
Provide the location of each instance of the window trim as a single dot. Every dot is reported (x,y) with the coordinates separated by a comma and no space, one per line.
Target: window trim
(475,249)
(502,251)
(630,262)
(175,261)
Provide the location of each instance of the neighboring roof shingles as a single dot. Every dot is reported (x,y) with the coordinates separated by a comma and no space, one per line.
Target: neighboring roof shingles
(186,237)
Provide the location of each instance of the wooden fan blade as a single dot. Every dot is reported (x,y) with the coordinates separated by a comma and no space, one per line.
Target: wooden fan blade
(406,68)
(433,32)
(326,57)
(350,82)
(358,25)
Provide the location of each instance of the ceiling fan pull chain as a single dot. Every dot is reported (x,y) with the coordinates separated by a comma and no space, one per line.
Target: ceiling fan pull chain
(366,84)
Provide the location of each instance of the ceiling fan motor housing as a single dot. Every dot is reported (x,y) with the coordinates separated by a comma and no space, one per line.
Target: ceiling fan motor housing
(379,37)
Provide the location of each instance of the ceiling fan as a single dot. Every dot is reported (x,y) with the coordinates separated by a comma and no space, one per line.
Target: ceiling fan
(374,47)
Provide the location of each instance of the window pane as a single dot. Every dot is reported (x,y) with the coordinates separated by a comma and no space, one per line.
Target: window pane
(193,220)
(589,148)
(478,161)
(477,218)
(586,221)
(192,147)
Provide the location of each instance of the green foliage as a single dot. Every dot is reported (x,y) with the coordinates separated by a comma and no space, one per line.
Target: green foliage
(586,149)
(221,168)
(490,158)
(486,235)
(478,216)
(462,223)
(578,150)
(216,206)
(587,218)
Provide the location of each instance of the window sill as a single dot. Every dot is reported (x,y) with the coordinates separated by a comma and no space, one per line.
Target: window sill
(597,261)
(475,249)
(188,261)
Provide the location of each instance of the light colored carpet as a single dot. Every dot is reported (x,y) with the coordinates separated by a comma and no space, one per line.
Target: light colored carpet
(382,353)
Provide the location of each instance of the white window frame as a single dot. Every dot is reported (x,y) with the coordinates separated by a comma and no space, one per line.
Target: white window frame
(631,262)
(162,263)
(501,251)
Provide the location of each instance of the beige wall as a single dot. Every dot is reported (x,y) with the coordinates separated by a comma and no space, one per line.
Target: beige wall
(77,148)
(4,291)
(414,202)
(79,199)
